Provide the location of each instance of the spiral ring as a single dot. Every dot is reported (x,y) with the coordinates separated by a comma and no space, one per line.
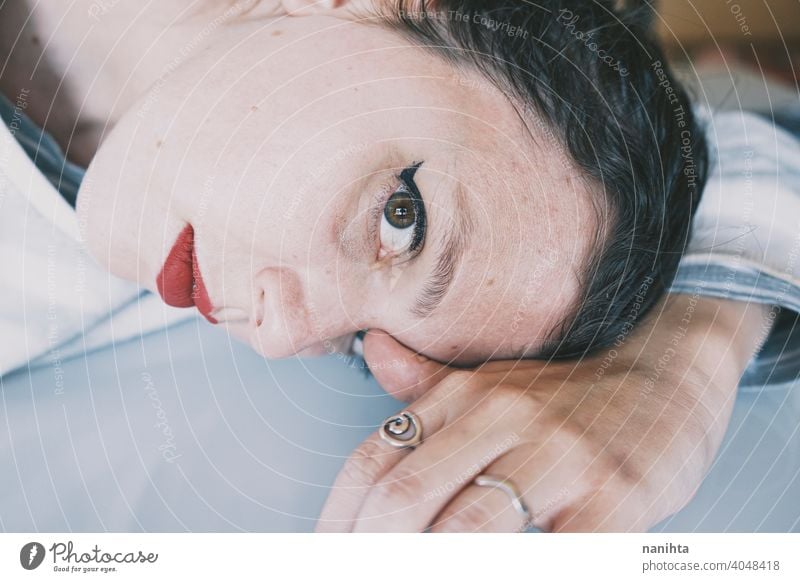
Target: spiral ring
(402,430)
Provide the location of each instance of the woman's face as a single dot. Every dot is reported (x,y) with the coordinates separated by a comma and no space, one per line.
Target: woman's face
(336,177)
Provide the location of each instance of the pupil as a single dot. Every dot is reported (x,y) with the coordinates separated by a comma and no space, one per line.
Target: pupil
(399,210)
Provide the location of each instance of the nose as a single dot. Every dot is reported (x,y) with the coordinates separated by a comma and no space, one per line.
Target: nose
(284,323)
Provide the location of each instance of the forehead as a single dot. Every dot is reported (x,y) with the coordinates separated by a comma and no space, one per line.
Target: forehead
(520,274)
(331,60)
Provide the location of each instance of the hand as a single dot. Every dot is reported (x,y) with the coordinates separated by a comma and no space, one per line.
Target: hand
(608,443)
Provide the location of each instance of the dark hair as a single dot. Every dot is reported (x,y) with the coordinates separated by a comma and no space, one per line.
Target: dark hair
(593,72)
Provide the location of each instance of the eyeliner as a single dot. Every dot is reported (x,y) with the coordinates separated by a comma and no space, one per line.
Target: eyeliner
(407,177)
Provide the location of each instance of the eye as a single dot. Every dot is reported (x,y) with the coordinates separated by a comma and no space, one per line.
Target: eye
(403,222)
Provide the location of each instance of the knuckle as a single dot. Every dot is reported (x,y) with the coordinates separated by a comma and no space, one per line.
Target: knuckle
(402,489)
(474,516)
(365,464)
(504,398)
(606,509)
(457,380)
(625,474)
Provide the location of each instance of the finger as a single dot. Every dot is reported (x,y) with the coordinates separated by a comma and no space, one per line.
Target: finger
(374,458)
(615,508)
(480,509)
(547,479)
(409,496)
(403,373)
(366,464)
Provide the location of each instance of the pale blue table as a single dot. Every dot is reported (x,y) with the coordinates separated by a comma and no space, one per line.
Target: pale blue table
(254,445)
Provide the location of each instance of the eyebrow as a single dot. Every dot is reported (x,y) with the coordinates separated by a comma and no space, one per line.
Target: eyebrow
(449,253)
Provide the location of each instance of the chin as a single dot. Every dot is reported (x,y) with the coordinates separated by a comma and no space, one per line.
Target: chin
(270,348)
(315,351)
(276,350)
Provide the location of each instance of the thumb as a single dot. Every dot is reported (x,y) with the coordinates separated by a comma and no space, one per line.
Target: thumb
(400,371)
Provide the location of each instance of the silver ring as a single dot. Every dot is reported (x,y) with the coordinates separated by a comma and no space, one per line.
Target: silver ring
(402,430)
(508,488)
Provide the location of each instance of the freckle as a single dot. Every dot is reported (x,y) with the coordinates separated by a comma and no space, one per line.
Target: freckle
(489,282)
(159,143)
(35,39)
(254,108)
(454,347)
(277,32)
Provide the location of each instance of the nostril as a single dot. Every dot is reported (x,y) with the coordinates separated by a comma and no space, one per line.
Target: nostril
(230,315)
(260,309)
(281,316)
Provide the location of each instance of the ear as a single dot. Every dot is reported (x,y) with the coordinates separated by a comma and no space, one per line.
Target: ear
(309,7)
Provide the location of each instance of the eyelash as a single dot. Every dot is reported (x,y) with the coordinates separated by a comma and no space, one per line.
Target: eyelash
(406,182)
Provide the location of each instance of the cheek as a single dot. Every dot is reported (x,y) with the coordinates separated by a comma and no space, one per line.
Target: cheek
(466,331)
(123,226)
(432,340)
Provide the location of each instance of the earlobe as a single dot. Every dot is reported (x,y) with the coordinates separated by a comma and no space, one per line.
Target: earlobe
(308,7)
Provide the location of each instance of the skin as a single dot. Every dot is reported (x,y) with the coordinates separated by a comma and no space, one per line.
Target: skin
(618,451)
(261,156)
(279,163)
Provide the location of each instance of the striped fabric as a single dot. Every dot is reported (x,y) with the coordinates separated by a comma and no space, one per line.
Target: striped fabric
(42,149)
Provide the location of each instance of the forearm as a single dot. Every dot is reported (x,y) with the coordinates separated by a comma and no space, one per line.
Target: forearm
(690,353)
(711,337)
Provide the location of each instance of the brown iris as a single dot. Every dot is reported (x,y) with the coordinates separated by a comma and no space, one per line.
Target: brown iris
(399,210)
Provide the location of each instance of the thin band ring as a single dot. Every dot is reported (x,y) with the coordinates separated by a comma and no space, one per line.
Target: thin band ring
(509,489)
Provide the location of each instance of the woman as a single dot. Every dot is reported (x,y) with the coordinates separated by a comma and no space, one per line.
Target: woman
(214,206)
(350,158)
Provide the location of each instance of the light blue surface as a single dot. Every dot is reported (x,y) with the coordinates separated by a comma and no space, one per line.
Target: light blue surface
(257,443)
(754,484)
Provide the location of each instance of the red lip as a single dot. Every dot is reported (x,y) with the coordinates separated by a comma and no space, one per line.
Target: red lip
(179,282)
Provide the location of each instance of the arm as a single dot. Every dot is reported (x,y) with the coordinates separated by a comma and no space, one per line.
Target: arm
(617,441)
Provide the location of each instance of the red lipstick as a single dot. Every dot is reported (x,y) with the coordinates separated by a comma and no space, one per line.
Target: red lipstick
(180,283)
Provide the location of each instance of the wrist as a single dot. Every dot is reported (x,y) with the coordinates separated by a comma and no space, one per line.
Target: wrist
(689,356)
